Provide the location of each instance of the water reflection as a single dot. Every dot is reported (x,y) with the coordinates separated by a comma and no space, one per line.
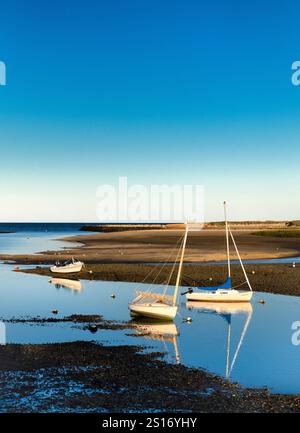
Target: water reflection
(73,285)
(161,331)
(227,311)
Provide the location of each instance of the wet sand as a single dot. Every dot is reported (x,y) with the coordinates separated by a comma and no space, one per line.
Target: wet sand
(281,279)
(88,377)
(160,245)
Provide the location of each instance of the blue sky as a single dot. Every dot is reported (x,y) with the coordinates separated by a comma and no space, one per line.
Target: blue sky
(167,91)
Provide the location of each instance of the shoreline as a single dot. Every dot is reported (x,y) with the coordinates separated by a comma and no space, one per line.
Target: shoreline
(280,279)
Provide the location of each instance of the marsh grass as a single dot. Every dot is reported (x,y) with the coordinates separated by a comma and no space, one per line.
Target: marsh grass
(286,233)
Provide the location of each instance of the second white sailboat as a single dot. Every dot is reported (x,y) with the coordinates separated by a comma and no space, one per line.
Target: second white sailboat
(224,292)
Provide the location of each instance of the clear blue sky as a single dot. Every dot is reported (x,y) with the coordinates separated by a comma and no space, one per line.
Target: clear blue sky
(190,92)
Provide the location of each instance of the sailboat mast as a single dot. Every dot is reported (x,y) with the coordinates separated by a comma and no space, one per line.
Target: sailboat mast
(227,238)
(180,266)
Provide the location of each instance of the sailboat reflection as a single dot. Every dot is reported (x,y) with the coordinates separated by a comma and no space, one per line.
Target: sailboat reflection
(227,310)
(162,331)
(74,285)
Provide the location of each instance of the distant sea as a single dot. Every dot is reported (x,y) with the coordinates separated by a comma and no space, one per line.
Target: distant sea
(42,227)
(26,238)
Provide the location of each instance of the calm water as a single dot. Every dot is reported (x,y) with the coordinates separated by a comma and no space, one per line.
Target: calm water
(262,334)
(35,237)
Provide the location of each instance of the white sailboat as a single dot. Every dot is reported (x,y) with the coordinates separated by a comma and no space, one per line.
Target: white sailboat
(68,267)
(155,305)
(224,292)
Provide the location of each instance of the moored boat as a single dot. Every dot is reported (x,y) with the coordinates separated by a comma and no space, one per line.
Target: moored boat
(224,292)
(221,295)
(68,267)
(155,305)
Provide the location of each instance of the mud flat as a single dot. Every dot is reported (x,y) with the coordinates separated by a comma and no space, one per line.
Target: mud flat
(88,377)
(280,278)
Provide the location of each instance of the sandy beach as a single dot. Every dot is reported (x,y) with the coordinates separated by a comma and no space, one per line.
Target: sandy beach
(160,245)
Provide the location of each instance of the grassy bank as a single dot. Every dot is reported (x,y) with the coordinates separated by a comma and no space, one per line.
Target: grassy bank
(279,233)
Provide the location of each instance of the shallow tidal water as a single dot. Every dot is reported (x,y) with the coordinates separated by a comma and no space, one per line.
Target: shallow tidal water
(250,344)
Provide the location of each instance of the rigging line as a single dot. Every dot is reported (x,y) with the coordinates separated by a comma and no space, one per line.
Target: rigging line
(173,268)
(157,275)
(239,285)
(240,260)
(160,263)
(163,266)
(152,270)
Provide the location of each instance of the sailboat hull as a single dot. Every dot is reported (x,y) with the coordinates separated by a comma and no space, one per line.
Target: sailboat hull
(221,296)
(153,310)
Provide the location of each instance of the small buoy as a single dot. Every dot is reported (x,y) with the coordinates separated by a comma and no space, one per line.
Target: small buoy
(92,328)
(112,295)
(54,311)
(253,272)
(262,301)
(90,272)
(210,279)
(294,264)
(16,268)
(188,319)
